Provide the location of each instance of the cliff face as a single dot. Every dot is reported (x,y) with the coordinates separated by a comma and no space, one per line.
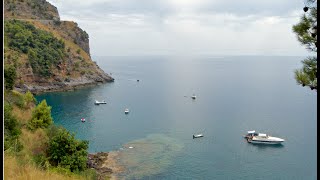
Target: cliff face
(74,68)
(33,9)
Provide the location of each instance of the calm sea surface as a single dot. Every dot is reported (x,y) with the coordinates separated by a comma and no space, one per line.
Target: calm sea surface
(234,95)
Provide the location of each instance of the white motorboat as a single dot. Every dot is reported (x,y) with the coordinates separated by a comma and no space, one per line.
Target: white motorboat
(98,102)
(261,138)
(193,96)
(126,111)
(197,136)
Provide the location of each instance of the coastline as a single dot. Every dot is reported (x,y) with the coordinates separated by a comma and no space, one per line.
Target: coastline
(105,164)
(72,85)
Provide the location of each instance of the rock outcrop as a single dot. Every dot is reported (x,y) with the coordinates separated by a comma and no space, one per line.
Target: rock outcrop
(98,161)
(76,69)
(32,9)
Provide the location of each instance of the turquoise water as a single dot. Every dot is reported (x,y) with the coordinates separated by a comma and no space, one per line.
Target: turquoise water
(234,95)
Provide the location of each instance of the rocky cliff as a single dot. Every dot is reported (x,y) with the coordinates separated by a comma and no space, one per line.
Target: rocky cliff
(47,54)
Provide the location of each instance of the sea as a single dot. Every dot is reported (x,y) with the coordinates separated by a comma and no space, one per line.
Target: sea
(234,94)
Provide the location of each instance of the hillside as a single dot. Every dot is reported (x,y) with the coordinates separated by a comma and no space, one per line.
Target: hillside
(47,54)
(28,142)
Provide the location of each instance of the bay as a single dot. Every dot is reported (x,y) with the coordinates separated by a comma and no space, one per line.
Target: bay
(234,94)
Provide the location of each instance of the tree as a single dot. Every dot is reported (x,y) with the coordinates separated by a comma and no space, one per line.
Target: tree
(41,116)
(29,98)
(11,128)
(9,76)
(306,31)
(66,151)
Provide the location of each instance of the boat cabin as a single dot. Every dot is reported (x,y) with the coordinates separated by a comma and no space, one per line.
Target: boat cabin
(251,134)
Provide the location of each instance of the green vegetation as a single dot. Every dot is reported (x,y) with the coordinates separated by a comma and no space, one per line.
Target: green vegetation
(65,151)
(41,116)
(43,49)
(11,129)
(41,147)
(9,76)
(307,75)
(28,97)
(306,31)
(15,98)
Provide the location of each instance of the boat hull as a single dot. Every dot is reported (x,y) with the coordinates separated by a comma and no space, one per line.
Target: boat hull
(197,136)
(264,142)
(97,103)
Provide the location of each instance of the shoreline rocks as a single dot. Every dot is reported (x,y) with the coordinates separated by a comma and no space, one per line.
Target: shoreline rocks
(99,161)
(68,85)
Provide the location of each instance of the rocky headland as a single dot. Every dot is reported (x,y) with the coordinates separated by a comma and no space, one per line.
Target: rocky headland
(75,69)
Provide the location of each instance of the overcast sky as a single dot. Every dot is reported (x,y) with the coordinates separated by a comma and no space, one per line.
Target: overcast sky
(187,27)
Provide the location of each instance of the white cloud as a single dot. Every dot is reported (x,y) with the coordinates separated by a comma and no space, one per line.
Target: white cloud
(178,27)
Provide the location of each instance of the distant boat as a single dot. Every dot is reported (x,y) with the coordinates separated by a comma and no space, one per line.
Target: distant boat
(193,96)
(126,111)
(137,80)
(83,119)
(197,136)
(261,138)
(98,102)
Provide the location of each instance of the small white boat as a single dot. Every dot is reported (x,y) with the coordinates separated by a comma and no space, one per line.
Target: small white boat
(193,96)
(197,136)
(261,138)
(126,111)
(98,102)
(83,120)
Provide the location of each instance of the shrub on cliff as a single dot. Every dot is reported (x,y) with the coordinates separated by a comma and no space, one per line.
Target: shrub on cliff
(29,98)
(9,76)
(41,116)
(11,129)
(14,98)
(43,49)
(66,151)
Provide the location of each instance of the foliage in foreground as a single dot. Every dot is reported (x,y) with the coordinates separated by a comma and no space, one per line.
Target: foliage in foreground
(41,116)
(11,129)
(9,76)
(66,151)
(306,31)
(45,152)
(14,169)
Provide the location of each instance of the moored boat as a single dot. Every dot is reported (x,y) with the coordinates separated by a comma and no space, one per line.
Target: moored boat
(193,96)
(261,138)
(126,111)
(197,136)
(98,102)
